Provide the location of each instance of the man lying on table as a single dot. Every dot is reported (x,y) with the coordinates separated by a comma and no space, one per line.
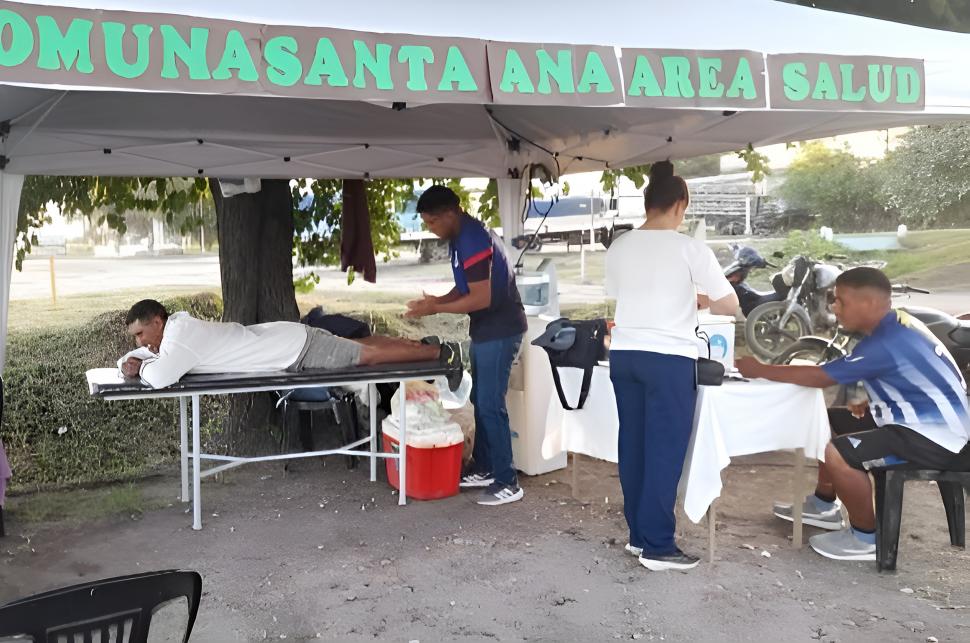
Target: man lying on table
(917,411)
(178,344)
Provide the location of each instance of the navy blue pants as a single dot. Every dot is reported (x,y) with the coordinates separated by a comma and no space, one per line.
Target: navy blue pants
(491,366)
(655,398)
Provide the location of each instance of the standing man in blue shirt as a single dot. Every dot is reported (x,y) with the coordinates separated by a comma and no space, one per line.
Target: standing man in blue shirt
(485,290)
(917,410)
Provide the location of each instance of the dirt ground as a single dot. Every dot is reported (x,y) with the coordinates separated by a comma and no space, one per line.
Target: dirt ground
(323,553)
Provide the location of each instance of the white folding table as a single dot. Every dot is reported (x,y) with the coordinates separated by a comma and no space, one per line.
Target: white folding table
(108,384)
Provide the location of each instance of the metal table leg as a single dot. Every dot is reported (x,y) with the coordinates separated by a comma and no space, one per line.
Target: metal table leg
(184,445)
(196,466)
(372,403)
(403,451)
(711,523)
(797,495)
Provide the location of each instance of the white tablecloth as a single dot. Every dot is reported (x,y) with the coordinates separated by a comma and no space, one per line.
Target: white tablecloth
(738,418)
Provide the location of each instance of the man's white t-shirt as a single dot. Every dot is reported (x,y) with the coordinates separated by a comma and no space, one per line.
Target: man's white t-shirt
(655,276)
(193,345)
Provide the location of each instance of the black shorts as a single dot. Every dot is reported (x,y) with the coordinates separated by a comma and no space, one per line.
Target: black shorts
(863,445)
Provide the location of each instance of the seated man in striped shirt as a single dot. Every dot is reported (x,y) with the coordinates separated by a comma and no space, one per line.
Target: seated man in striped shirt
(917,411)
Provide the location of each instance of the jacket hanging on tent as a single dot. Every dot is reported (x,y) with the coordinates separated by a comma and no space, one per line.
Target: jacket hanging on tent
(356,247)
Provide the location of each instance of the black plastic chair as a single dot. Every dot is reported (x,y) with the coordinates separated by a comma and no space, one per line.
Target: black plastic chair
(889,507)
(92,611)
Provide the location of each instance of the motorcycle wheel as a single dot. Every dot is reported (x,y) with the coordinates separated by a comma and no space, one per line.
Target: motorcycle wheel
(764,336)
(808,351)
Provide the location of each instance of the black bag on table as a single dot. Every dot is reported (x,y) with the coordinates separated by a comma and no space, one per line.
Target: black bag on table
(574,344)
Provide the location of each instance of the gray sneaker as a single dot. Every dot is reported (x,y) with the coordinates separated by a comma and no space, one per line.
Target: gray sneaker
(811,514)
(842,545)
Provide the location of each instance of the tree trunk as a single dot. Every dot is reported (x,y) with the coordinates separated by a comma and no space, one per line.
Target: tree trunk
(255,234)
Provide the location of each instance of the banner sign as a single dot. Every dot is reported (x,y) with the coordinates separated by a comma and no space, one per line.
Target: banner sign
(44,45)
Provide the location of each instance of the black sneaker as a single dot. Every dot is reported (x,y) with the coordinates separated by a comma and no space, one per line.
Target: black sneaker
(472,480)
(500,494)
(450,356)
(676,560)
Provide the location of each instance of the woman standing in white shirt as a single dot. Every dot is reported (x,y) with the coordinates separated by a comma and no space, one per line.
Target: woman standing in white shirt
(657,276)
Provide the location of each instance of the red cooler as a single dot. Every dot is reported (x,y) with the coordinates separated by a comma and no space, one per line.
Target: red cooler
(433,457)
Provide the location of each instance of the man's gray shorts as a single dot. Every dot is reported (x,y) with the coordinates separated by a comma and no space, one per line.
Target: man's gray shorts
(325,350)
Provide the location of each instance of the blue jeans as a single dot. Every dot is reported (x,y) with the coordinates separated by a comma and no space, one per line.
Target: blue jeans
(491,365)
(655,398)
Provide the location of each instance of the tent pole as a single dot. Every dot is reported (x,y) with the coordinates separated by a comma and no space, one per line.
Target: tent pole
(10,187)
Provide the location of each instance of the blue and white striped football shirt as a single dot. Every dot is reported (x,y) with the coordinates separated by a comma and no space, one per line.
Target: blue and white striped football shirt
(911,379)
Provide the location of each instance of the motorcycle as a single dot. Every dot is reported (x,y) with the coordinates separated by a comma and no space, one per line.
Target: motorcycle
(953,333)
(773,326)
(747,259)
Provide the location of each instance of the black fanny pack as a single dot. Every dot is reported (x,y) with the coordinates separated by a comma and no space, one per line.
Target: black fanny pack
(574,344)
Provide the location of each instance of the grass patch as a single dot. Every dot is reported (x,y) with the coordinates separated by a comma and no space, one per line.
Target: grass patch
(929,250)
(82,505)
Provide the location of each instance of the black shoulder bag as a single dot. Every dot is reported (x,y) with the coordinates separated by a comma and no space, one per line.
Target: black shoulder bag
(585,350)
(709,372)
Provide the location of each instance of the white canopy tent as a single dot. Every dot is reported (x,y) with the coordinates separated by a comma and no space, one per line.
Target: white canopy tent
(61,123)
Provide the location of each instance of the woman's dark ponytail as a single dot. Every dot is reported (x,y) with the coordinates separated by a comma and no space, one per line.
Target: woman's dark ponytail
(665,188)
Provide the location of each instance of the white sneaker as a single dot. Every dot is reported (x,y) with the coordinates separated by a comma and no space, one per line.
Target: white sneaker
(500,494)
(811,515)
(473,480)
(635,551)
(842,545)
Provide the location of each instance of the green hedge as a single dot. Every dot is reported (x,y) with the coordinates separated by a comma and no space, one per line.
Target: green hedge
(57,435)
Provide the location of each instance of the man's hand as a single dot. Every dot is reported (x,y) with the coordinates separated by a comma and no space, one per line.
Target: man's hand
(131,367)
(750,367)
(422,307)
(703,301)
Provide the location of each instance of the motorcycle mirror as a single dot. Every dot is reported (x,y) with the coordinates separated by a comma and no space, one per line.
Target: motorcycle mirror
(778,254)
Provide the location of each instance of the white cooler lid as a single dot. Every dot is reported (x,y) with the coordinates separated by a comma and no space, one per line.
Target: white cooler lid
(427,437)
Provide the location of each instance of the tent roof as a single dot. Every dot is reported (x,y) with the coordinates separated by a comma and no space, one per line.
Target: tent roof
(69,130)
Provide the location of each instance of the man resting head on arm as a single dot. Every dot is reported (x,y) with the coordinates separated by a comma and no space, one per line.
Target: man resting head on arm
(917,409)
(179,343)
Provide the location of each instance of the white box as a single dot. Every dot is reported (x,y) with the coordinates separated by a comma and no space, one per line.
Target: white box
(720,329)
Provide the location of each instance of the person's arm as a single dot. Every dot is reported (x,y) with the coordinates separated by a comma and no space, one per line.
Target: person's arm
(170,366)
(709,278)
(479,297)
(452,295)
(810,376)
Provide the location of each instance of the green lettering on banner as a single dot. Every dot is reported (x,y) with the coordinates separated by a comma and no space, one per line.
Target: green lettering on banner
(416,58)
(236,56)
(825,88)
(114,49)
(743,82)
(907,85)
(795,77)
(515,77)
(326,62)
(594,73)
(457,71)
(880,94)
(644,82)
(708,69)
(560,70)
(378,63)
(677,77)
(73,47)
(850,94)
(21,39)
(193,56)
(285,68)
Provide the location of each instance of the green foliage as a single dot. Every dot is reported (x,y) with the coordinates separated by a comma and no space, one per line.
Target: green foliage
(839,188)
(57,434)
(927,178)
(105,200)
(318,228)
(636,173)
(810,244)
(755,162)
